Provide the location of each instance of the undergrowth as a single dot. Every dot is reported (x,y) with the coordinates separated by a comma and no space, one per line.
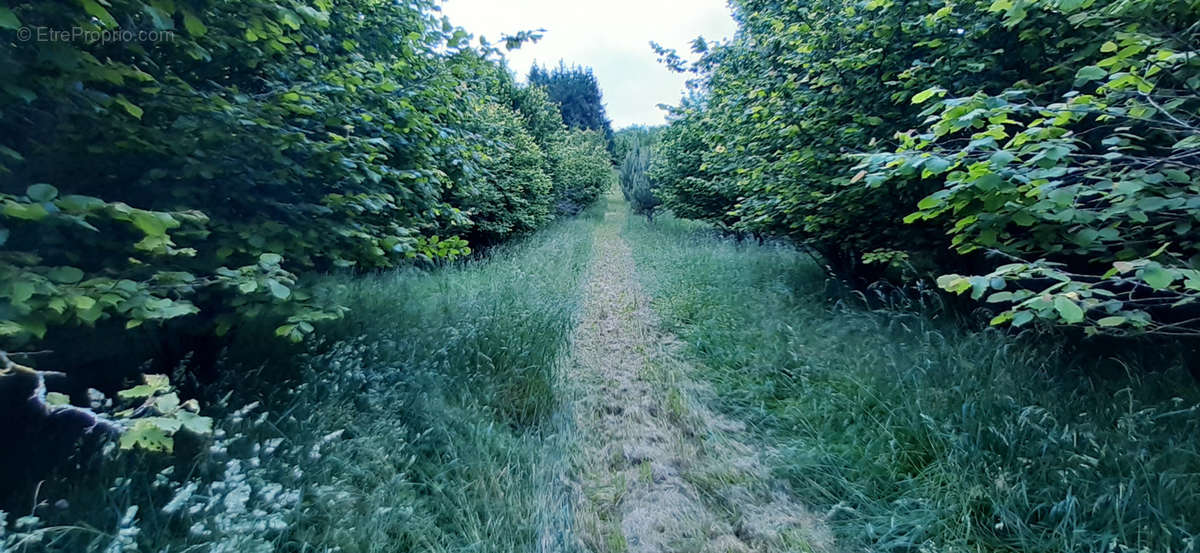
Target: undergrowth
(914,434)
(426,421)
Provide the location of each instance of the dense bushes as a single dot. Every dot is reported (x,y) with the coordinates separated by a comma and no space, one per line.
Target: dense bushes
(242,146)
(1059,135)
(682,178)
(638,145)
(580,168)
(513,193)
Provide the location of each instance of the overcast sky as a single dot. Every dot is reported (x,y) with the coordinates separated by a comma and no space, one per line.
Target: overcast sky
(610,36)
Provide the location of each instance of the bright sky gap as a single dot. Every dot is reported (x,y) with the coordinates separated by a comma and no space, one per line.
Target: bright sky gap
(611,37)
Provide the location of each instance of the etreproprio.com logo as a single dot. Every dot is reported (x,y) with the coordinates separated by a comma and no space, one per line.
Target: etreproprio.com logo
(92,36)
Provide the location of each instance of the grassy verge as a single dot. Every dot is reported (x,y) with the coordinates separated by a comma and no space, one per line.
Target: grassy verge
(428,421)
(916,435)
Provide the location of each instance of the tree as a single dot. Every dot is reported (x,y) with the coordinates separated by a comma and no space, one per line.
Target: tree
(577,93)
(636,185)
(202,182)
(1054,142)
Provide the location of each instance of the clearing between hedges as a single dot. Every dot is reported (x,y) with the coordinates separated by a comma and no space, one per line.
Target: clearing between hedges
(657,471)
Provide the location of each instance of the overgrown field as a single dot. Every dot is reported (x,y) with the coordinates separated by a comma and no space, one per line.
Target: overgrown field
(428,420)
(914,434)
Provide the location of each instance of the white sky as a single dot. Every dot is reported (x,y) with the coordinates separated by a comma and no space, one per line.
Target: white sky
(610,36)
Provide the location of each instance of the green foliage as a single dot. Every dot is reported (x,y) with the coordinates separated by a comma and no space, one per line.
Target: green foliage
(1059,135)
(636,185)
(264,142)
(157,415)
(913,434)
(1089,198)
(625,139)
(429,420)
(577,94)
(581,169)
(685,183)
(513,195)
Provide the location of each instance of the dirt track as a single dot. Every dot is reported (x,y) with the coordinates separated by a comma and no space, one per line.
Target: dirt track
(656,471)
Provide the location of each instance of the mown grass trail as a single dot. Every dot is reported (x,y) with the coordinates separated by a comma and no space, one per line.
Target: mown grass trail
(658,471)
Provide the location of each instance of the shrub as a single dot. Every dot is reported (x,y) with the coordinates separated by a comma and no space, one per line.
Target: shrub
(512,194)
(1059,136)
(581,169)
(1087,199)
(636,185)
(212,173)
(685,185)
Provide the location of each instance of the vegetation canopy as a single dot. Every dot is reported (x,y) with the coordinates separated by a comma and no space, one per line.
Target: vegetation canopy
(1038,155)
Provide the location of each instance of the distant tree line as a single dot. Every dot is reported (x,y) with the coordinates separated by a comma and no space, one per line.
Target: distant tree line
(577,93)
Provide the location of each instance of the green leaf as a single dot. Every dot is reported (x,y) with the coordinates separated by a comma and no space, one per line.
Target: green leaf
(167,403)
(96,10)
(130,107)
(1090,73)
(929,202)
(1157,277)
(1111,321)
(25,212)
(160,18)
(937,166)
(1002,158)
(278,290)
(154,383)
(10,328)
(1068,309)
(196,423)
(194,26)
(77,203)
(65,275)
(147,435)
(8,19)
(1021,318)
(928,93)
(152,224)
(25,93)
(21,292)
(41,192)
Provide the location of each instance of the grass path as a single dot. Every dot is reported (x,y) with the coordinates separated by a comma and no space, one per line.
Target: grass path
(657,471)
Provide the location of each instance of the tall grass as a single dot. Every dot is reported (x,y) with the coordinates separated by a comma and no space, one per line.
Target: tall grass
(917,435)
(427,421)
